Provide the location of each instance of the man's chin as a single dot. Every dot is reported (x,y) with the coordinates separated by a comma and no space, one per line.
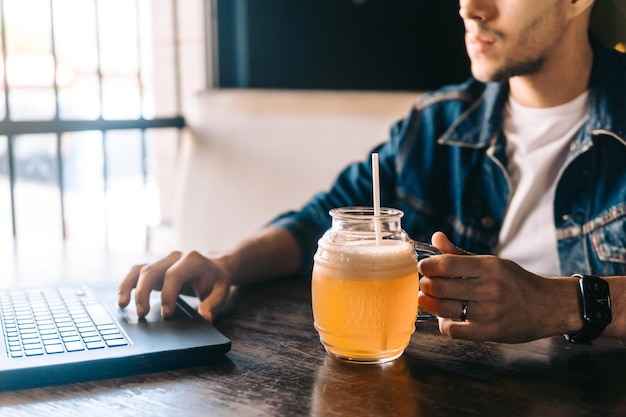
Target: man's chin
(488,75)
(483,71)
(482,74)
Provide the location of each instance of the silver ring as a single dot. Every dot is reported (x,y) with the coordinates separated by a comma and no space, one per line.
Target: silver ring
(463,315)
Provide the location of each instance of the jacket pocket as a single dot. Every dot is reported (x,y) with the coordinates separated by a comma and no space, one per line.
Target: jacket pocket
(609,243)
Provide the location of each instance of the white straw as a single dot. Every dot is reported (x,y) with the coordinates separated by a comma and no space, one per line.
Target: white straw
(376,195)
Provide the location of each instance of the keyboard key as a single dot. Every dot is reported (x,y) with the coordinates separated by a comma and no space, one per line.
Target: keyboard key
(38,322)
(89,334)
(116,342)
(92,339)
(71,339)
(95,345)
(105,332)
(33,352)
(52,349)
(74,346)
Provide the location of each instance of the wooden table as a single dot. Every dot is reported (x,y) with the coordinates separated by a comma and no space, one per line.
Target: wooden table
(277,367)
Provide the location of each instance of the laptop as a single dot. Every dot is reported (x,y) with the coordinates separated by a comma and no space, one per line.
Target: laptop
(69,334)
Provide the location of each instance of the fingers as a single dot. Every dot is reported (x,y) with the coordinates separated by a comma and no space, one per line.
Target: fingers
(450,278)
(496,290)
(210,306)
(144,279)
(452,288)
(458,265)
(151,278)
(460,329)
(186,268)
(452,308)
(208,280)
(126,286)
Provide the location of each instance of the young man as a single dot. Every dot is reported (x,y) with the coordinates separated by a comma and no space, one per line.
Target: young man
(525,161)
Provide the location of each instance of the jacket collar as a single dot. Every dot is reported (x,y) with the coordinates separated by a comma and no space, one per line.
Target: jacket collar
(608,93)
(481,123)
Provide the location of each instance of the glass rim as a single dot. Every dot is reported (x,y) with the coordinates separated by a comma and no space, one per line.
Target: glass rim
(364,212)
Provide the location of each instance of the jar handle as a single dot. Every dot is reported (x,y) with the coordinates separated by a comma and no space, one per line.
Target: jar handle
(423,251)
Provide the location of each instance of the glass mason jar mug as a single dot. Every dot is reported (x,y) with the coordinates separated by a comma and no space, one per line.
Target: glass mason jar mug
(365,285)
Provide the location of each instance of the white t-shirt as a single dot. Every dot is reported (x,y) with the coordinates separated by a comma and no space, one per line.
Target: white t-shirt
(538,140)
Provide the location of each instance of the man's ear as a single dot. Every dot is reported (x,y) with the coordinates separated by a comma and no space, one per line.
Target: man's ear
(608,23)
(578,7)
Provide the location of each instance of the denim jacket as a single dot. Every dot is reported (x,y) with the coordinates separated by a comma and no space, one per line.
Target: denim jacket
(445,166)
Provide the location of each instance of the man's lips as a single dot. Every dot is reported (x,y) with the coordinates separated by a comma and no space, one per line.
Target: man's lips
(478,43)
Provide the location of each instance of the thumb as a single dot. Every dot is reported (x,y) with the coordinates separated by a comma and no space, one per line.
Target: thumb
(210,306)
(441,242)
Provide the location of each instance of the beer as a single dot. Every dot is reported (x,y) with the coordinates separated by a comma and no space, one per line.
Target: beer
(365,298)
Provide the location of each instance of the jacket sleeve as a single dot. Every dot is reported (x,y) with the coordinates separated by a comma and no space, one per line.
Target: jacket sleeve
(352,187)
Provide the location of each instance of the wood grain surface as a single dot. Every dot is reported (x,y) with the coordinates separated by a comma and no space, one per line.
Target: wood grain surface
(277,367)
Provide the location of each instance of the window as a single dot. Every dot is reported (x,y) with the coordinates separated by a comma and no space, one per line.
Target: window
(91,101)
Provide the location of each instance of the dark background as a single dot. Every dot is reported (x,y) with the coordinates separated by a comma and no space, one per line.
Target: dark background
(340,44)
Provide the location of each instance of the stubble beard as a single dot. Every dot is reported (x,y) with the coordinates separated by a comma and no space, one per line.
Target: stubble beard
(516,69)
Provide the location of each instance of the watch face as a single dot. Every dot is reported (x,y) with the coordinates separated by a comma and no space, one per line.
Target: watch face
(597,302)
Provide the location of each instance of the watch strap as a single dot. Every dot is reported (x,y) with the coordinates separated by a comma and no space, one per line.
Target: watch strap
(592,289)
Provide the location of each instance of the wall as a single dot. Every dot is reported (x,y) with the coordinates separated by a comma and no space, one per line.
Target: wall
(252,154)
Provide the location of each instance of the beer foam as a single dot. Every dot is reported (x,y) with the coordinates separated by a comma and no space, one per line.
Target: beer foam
(357,260)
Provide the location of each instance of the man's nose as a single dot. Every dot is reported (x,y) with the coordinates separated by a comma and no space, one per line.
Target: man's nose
(482,10)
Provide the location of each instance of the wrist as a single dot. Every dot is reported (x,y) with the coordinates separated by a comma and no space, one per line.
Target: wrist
(566,309)
(229,263)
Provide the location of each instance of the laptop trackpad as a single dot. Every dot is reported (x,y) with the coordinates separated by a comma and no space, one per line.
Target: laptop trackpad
(182,312)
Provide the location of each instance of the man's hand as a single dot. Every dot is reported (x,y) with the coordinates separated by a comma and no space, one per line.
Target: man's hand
(206,277)
(505,302)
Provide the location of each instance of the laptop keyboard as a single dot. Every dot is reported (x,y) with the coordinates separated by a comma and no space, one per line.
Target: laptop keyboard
(55,321)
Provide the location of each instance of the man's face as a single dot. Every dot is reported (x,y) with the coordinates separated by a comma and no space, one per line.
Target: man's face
(506,38)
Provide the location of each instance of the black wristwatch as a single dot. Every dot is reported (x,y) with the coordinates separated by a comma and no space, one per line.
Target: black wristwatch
(595,302)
